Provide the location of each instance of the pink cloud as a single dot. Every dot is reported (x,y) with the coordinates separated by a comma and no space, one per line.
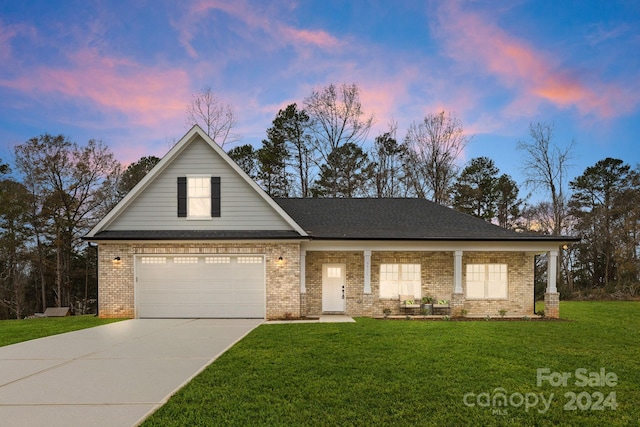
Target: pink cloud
(147,96)
(259,24)
(320,38)
(473,39)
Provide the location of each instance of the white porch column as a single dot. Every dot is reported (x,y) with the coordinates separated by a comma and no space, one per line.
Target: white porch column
(552,271)
(303,269)
(457,272)
(367,272)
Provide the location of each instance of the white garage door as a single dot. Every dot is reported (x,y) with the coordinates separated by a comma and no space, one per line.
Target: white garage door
(182,286)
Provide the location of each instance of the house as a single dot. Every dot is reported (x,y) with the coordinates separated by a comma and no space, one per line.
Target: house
(198,238)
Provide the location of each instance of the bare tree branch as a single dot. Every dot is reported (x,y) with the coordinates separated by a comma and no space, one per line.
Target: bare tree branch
(212,115)
(433,146)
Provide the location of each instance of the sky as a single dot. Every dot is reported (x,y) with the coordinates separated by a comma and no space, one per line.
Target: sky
(124,71)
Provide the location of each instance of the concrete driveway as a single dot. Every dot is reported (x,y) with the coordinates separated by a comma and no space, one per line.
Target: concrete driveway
(111,375)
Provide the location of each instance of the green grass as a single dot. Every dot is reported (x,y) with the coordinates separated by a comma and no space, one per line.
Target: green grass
(15,331)
(388,372)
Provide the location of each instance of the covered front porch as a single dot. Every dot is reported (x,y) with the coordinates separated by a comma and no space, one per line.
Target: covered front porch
(359,280)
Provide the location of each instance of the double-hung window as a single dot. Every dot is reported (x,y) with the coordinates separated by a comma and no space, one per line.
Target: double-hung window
(198,196)
(487,281)
(400,279)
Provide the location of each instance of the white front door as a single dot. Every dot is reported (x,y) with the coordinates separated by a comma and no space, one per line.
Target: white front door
(333,288)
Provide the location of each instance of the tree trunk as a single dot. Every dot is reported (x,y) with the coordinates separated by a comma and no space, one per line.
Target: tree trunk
(58,271)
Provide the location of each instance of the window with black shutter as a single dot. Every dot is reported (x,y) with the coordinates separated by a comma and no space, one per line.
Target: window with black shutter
(215,197)
(191,190)
(182,197)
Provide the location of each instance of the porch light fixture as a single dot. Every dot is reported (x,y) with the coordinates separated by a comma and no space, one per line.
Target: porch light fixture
(280,260)
(116,259)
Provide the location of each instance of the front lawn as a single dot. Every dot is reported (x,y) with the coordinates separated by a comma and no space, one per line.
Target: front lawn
(390,372)
(15,331)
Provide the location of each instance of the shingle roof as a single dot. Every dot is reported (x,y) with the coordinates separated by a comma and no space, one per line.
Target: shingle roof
(356,219)
(393,218)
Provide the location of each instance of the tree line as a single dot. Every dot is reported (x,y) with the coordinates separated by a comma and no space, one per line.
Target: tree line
(55,190)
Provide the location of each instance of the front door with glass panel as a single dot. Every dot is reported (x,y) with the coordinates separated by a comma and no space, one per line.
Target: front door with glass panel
(333,288)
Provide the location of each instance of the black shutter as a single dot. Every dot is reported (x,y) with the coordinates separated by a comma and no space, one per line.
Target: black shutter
(215,196)
(182,196)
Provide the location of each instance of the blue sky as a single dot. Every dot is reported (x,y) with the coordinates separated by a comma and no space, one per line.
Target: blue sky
(124,71)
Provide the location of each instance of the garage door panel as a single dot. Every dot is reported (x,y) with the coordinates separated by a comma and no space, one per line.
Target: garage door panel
(200,286)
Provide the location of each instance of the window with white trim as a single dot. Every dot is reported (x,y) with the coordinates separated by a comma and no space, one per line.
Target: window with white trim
(400,279)
(199,196)
(487,281)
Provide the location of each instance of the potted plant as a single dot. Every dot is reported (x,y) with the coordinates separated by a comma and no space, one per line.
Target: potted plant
(427,304)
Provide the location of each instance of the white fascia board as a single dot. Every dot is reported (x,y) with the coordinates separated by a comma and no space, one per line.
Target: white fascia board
(428,246)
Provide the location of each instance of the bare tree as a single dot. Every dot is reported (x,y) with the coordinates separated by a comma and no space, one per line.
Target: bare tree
(212,115)
(337,117)
(433,146)
(71,184)
(545,168)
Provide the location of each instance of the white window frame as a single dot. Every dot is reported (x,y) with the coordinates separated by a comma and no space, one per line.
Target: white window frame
(199,202)
(487,281)
(400,279)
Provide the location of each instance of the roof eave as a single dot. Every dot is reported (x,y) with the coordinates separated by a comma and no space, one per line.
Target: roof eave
(193,238)
(558,239)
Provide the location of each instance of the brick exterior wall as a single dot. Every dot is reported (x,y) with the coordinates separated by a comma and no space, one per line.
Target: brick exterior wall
(354,289)
(283,297)
(520,271)
(437,270)
(116,279)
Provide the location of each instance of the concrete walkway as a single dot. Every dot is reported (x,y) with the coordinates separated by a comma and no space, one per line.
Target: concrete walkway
(111,375)
(325,318)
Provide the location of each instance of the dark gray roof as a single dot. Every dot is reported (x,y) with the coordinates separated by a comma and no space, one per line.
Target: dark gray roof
(393,219)
(195,235)
(356,219)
